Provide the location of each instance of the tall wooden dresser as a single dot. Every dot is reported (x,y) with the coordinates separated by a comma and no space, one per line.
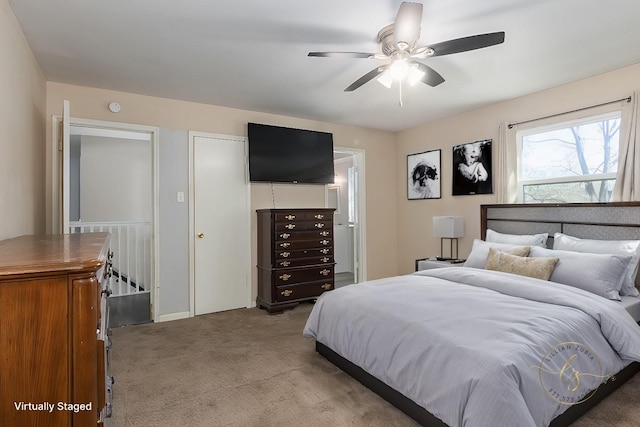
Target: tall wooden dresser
(295,256)
(53,324)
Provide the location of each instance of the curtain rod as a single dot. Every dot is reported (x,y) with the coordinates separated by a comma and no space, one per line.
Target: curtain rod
(511,125)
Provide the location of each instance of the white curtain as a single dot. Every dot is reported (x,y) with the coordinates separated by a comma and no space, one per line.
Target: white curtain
(506,181)
(627,187)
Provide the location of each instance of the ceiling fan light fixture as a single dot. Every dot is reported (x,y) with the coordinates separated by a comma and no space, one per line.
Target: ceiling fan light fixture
(399,70)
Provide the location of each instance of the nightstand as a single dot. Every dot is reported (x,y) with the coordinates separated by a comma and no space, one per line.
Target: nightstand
(429,263)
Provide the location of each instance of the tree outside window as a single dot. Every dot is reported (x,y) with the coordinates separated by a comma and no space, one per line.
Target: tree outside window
(570,162)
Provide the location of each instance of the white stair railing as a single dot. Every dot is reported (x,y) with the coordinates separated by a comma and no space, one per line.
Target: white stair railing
(131,247)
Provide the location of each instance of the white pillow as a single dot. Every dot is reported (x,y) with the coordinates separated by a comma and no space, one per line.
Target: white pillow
(615,247)
(601,274)
(480,252)
(517,239)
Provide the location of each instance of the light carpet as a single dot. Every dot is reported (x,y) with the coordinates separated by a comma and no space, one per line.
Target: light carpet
(248,368)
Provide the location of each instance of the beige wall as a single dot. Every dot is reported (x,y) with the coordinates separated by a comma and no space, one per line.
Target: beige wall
(414,217)
(398,231)
(22,135)
(379,147)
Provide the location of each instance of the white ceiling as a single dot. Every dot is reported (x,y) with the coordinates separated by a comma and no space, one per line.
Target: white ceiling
(252,54)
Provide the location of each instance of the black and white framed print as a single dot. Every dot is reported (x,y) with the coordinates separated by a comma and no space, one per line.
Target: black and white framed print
(423,175)
(472,168)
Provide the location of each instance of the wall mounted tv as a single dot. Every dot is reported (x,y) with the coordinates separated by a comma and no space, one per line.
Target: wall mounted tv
(280,154)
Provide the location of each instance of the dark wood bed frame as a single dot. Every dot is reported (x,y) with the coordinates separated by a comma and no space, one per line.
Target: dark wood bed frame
(612,221)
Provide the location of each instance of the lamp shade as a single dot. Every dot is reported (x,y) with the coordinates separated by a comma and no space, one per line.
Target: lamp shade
(448,226)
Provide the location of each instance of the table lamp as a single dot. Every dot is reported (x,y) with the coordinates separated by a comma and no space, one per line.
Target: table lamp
(448,227)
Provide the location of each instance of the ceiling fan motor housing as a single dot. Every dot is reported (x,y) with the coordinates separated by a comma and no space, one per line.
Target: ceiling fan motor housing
(386,40)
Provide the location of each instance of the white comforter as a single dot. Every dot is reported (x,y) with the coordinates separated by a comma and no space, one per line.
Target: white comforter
(468,345)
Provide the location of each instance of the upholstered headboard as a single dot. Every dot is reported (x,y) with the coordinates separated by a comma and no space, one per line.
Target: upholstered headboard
(603,221)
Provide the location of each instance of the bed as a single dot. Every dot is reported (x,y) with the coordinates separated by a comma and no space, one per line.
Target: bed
(469,346)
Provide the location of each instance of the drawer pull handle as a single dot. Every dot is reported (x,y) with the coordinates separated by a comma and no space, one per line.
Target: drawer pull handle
(285,235)
(324,233)
(325,259)
(326,286)
(319,224)
(285,277)
(325,272)
(290,226)
(285,245)
(319,216)
(286,292)
(290,217)
(324,251)
(285,254)
(324,242)
(285,264)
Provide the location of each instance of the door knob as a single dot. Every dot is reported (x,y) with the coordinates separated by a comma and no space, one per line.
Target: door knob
(200,235)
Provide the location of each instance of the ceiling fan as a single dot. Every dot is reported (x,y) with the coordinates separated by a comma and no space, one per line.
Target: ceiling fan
(399,43)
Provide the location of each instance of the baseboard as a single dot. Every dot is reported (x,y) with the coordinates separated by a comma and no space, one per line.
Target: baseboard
(173,316)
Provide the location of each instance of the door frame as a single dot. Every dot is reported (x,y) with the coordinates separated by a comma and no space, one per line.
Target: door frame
(56,185)
(360,240)
(192,241)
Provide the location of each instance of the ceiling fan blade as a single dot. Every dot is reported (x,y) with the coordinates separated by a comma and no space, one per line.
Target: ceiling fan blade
(342,54)
(369,76)
(465,44)
(431,77)
(406,29)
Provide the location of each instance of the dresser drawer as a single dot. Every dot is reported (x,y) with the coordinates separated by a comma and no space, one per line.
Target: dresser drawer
(303,225)
(299,275)
(303,290)
(304,244)
(302,216)
(303,253)
(288,216)
(285,236)
(300,262)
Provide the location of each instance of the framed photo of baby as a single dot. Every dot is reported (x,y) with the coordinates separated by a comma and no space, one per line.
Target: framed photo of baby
(472,168)
(423,175)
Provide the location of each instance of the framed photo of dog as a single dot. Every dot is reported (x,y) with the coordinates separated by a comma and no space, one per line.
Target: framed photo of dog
(423,175)
(472,168)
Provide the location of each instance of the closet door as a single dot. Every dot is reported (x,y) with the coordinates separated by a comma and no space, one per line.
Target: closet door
(221,224)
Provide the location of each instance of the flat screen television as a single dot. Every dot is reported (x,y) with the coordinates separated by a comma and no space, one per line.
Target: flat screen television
(280,154)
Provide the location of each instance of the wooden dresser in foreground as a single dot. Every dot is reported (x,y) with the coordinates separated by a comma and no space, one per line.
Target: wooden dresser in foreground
(53,325)
(295,256)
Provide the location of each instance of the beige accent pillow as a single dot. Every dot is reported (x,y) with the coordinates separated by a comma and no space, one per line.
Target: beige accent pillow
(539,268)
(494,258)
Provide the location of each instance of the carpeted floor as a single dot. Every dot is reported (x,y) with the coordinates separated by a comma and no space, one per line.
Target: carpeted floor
(248,368)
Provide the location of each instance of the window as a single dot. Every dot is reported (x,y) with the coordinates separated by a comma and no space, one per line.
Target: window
(569,162)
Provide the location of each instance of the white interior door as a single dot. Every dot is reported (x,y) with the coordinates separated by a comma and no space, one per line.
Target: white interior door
(221,224)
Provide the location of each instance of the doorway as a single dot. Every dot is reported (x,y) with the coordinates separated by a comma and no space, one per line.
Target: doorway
(219,223)
(105,180)
(346,195)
